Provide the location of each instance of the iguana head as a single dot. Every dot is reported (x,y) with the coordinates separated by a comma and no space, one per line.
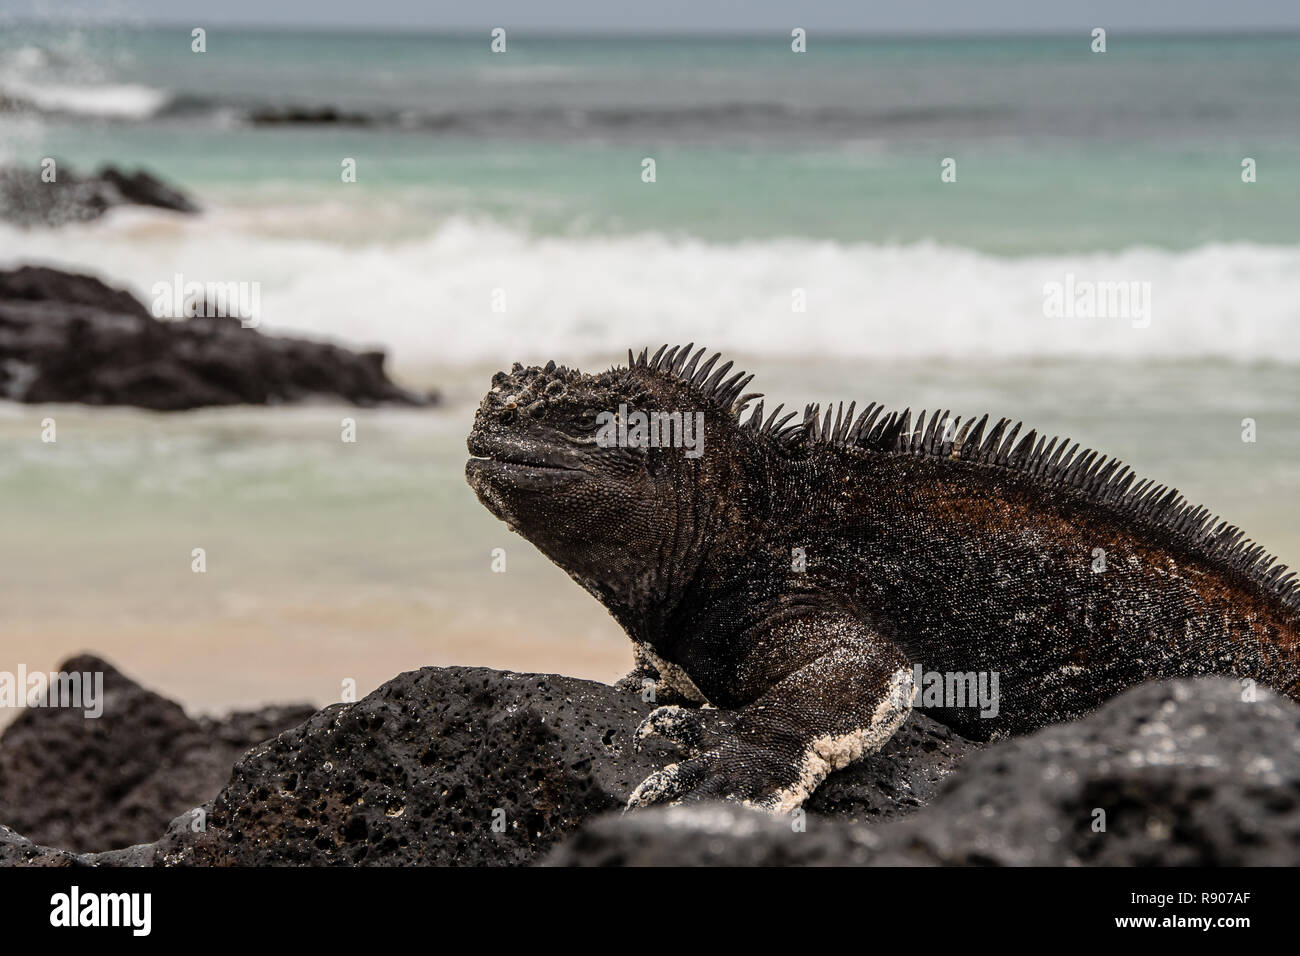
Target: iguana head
(605,473)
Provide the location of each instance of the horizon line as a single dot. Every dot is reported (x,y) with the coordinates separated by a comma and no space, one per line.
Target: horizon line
(658,33)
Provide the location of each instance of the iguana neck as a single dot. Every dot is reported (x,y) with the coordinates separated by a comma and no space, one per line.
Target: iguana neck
(712,518)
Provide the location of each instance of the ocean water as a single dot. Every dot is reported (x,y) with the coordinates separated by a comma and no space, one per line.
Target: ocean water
(798,221)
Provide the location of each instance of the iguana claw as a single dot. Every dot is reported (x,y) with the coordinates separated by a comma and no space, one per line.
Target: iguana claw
(732,771)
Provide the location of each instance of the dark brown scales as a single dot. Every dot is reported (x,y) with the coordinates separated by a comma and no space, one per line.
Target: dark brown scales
(1105,480)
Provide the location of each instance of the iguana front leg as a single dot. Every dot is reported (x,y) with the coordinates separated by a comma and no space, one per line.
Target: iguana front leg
(828,691)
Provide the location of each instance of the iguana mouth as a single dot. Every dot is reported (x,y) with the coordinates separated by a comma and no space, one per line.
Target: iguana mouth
(523,461)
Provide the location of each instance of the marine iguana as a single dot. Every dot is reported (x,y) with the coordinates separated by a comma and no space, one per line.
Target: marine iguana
(794,574)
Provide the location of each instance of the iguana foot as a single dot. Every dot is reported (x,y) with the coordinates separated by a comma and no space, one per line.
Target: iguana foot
(772,753)
(720,765)
(733,770)
(693,729)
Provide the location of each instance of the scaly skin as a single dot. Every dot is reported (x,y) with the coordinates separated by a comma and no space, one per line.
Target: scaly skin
(793,576)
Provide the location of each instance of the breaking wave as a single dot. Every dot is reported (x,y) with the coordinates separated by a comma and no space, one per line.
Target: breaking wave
(129,101)
(431,299)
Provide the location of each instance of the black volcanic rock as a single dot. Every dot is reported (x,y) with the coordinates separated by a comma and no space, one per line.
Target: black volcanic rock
(71,338)
(414,773)
(87,784)
(1186,773)
(17,850)
(28,200)
(142,188)
(36,284)
(714,834)
(418,772)
(307,116)
(439,766)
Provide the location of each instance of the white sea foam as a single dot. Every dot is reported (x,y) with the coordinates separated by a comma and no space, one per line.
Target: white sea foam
(132,101)
(430,299)
(70,78)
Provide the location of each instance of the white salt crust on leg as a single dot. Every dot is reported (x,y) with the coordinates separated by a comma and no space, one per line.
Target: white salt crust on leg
(836,751)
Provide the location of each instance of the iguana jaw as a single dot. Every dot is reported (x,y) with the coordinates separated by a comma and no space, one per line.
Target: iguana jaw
(520,462)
